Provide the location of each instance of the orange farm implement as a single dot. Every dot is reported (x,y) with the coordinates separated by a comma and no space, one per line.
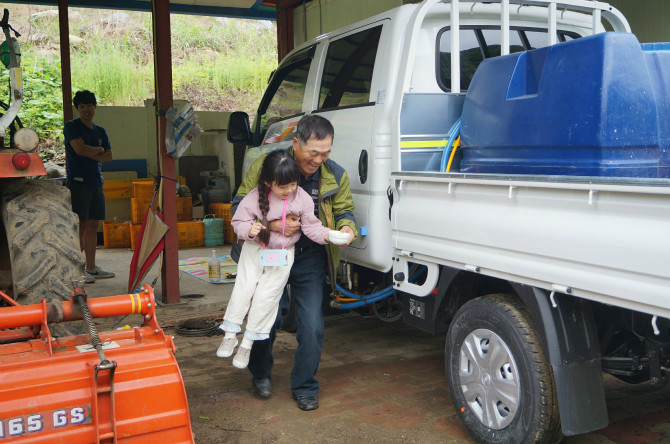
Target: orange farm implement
(113,386)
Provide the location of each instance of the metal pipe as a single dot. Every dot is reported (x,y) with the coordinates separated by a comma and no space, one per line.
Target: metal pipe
(56,311)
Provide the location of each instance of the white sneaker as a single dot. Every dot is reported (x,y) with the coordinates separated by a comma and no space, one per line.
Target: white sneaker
(99,273)
(241,359)
(226,348)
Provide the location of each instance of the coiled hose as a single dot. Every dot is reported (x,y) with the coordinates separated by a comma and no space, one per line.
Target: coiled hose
(197,327)
(356,300)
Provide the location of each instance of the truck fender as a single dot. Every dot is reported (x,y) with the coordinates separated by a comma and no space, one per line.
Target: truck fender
(570,340)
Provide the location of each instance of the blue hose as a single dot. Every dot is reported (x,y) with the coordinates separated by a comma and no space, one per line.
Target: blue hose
(453,133)
(372,297)
(367,299)
(358,296)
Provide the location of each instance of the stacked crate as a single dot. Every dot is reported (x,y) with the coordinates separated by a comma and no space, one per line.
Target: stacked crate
(116,234)
(224,211)
(190,234)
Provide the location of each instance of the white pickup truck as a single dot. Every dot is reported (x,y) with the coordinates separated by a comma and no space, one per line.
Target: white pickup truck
(528,214)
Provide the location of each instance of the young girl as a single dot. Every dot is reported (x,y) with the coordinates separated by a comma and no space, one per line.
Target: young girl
(258,287)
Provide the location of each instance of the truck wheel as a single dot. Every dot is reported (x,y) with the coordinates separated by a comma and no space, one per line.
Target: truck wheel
(43,240)
(501,385)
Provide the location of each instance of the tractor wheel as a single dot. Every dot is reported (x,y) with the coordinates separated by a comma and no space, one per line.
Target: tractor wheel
(500,382)
(43,240)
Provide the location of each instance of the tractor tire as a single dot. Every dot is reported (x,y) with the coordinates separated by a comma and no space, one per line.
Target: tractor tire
(43,240)
(500,382)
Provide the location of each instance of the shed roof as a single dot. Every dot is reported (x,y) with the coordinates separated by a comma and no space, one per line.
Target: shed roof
(248,9)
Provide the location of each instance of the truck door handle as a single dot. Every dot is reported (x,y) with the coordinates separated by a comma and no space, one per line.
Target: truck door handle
(363,167)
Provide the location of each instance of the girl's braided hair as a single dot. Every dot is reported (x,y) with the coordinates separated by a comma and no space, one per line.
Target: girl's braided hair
(280,168)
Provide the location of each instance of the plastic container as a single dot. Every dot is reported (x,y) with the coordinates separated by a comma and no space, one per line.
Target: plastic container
(116,234)
(593,106)
(184,208)
(143,189)
(190,234)
(224,211)
(213,228)
(138,208)
(221,210)
(216,191)
(134,234)
(214,268)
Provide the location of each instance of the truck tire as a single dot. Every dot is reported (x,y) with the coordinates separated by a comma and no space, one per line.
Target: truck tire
(43,240)
(500,382)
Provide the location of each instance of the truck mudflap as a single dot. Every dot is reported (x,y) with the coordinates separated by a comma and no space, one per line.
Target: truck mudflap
(570,341)
(59,390)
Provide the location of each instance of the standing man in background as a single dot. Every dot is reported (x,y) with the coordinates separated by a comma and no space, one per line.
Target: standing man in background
(86,146)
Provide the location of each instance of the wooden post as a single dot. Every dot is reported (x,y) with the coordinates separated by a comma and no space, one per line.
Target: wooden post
(284,28)
(66,72)
(167,168)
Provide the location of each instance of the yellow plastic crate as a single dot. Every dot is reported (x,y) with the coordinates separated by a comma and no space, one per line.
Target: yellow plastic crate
(116,234)
(134,234)
(191,234)
(184,208)
(143,189)
(221,211)
(138,208)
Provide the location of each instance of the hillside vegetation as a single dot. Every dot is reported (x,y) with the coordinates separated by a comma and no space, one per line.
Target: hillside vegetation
(218,64)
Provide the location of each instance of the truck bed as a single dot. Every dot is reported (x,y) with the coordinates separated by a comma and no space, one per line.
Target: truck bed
(603,239)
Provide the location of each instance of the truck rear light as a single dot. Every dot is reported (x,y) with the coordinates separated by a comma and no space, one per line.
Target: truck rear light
(21,161)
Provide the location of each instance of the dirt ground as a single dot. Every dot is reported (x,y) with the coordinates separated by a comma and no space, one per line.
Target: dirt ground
(380,382)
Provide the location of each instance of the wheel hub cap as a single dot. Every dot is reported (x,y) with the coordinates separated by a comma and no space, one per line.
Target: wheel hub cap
(489,378)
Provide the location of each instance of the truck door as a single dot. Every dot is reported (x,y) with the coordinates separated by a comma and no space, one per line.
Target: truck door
(287,96)
(344,98)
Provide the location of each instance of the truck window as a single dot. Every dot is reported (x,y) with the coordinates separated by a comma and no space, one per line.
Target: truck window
(284,96)
(481,42)
(347,72)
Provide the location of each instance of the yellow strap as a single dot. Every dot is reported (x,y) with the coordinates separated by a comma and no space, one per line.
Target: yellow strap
(423,144)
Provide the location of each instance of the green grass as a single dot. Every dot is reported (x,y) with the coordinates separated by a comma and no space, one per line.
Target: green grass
(216,66)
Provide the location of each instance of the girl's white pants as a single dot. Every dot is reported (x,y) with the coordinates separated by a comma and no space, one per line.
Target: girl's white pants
(257,291)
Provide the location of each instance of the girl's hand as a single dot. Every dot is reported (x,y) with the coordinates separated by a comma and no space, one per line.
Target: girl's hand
(255,229)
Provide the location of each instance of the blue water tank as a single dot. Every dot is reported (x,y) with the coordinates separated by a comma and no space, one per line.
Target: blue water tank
(594,106)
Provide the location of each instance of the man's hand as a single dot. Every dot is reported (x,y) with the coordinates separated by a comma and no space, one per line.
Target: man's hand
(292,225)
(347,229)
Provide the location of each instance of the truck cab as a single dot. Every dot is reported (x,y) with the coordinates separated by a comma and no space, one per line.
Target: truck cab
(393,86)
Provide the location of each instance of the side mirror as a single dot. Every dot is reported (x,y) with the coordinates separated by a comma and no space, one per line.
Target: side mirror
(239,130)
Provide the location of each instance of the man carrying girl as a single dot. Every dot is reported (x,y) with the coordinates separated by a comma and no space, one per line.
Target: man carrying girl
(267,256)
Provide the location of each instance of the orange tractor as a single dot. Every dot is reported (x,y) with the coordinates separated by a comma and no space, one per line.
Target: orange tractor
(56,387)
(114,386)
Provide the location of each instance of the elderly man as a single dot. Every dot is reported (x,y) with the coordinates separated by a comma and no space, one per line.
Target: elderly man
(328,184)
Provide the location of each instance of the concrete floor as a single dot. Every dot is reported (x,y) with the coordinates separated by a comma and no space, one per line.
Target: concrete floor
(380,382)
